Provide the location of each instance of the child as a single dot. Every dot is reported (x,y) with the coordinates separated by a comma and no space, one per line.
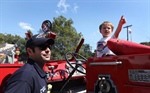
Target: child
(106,28)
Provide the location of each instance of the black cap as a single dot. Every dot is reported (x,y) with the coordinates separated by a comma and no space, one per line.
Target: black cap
(37,40)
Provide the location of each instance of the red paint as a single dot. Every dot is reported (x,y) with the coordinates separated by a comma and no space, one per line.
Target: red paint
(123,47)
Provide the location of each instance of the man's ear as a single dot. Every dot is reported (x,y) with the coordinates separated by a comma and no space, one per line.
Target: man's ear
(29,51)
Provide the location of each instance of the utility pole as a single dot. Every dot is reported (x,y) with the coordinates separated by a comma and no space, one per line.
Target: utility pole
(127,31)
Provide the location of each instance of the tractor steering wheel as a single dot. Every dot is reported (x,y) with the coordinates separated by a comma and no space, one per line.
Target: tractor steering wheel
(79,61)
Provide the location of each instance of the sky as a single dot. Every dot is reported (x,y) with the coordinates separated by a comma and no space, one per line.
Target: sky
(18,16)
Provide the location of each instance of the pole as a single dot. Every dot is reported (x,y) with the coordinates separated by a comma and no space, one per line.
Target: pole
(127,31)
(130,36)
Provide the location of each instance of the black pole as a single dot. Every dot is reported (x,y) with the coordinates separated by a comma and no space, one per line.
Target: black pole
(127,31)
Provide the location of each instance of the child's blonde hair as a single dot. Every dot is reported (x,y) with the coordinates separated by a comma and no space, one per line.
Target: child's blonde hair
(106,22)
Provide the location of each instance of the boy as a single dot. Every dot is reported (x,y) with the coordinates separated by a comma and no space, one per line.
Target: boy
(106,28)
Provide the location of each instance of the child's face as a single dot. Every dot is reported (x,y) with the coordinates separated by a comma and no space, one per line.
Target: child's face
(106,30)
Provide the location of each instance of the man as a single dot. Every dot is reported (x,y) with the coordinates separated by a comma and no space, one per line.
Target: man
(31,77)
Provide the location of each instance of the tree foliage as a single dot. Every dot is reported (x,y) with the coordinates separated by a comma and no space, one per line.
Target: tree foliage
(145,43)
(67,39)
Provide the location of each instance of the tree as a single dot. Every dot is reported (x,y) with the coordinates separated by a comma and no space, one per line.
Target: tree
(67,38)
(17,40)
(145,43)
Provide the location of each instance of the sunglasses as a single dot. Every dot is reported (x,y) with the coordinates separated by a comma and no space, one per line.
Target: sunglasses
(43,47)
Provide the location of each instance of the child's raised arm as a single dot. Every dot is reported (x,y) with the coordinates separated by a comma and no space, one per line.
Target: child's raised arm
(121,23)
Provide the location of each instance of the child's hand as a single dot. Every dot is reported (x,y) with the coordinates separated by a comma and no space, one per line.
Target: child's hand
(122,20)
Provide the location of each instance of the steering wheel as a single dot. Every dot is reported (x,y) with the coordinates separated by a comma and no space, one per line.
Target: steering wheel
(79,61)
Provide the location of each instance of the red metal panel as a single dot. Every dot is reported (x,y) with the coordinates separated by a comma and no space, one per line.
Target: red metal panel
(136,66)
(123,47)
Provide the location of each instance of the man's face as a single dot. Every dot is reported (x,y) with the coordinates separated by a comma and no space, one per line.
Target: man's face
(42,53)
(106,30)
